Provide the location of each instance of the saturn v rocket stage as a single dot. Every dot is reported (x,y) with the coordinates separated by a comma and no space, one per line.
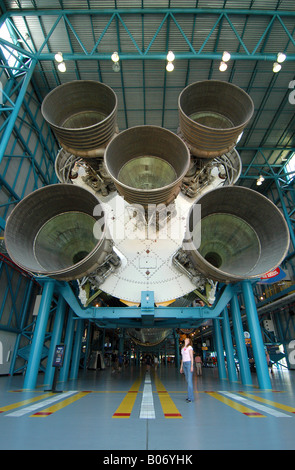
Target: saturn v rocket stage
(146,209)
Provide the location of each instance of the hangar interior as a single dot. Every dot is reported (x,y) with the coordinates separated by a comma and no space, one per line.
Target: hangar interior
(102,139)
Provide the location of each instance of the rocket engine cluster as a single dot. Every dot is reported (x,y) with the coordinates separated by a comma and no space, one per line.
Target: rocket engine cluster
(146,208)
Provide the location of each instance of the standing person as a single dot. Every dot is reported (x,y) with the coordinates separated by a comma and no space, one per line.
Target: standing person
(198,362)
(114,362)
(187,367)
(120,361)
(148,362)
(269,363)
(156,362)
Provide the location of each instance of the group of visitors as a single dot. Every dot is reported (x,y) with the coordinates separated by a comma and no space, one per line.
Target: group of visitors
(149,361)
(118,361)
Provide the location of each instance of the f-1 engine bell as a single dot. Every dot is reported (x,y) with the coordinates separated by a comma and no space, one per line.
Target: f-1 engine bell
(82,114)
(212,115)
(147,164)
(148,336)
(243,235)
(50,232)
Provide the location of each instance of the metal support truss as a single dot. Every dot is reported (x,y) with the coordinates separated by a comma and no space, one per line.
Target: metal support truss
(17,97)
(16,292)
(147,315)
(127,19)
(26,148)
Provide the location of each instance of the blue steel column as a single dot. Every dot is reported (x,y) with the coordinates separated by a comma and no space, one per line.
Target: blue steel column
(219,349)
(177,355)
(87,345)
(282,338)
(103,341)
(23,319)
(165,346)
(39,335)
(121,341)
(240,341)
(230,360)
(55,339)
(64,371)
(256,337)
(77,349)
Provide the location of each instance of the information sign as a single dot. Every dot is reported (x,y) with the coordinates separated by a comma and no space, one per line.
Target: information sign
(58,355)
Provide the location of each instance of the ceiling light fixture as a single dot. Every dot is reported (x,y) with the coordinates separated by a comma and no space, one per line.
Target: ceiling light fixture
(260,180)
(226,56)
(115,57)
(116,67)
(281,57)
(170,56)
(25,39)
(222,66)
(170,67)
(276,67)
(62,67)
(58,57)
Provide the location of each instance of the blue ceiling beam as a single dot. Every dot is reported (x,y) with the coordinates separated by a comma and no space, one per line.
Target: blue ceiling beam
(169,14)
(149,11)
(162,56)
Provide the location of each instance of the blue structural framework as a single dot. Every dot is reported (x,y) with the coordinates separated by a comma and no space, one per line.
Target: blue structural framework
(146,316)
(27,155)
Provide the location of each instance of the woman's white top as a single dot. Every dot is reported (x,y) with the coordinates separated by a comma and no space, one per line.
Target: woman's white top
(186,353)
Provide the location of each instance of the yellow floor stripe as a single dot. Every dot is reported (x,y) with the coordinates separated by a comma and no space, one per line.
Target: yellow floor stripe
(126,406)
(24,402)
(58,406)
(237,406)
(269,402)
(168,406)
